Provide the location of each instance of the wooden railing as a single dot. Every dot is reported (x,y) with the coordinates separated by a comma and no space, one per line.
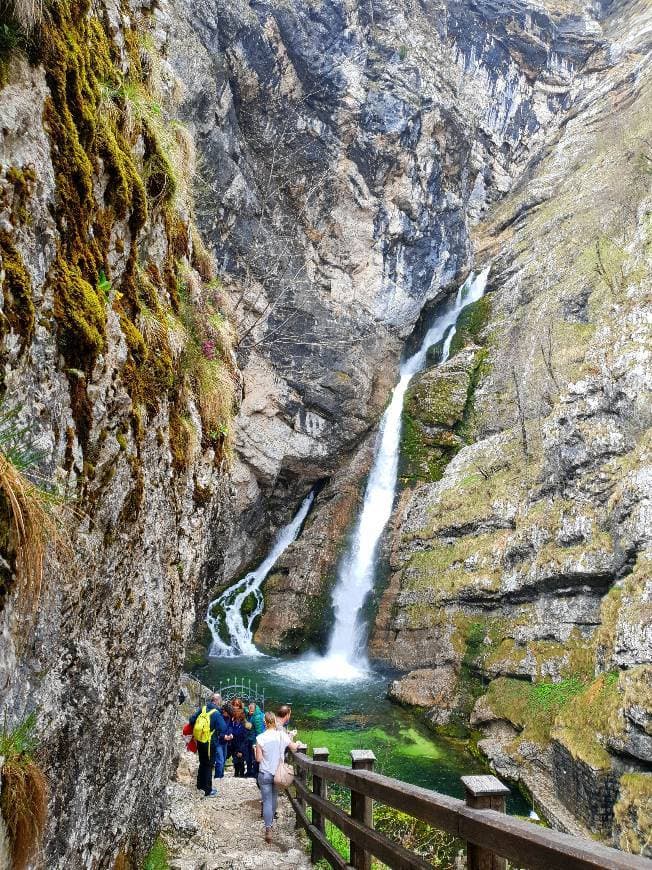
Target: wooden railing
(491,836)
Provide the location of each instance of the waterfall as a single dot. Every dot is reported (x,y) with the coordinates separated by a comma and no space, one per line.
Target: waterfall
(346,656)
(238,626)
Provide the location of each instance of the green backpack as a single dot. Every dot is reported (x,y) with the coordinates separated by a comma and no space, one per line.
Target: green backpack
(201,730)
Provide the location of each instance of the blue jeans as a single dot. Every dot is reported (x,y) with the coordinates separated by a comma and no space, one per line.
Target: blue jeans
(220,758)
(269,794)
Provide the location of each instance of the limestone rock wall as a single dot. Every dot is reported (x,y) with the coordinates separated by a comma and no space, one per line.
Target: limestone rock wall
(524,568)
(345,149)
(100,362)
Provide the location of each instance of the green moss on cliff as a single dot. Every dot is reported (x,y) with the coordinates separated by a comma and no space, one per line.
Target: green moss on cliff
(81,314)
(531,707)
(18,310)
(118,160)
(22,181)
(588,718)
(633,813)
(447,567)
(471,322)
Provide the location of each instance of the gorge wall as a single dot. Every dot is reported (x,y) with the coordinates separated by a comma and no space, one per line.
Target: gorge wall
(518,594)
(118,391)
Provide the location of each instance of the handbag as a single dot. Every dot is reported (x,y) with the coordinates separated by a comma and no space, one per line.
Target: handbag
(284,776)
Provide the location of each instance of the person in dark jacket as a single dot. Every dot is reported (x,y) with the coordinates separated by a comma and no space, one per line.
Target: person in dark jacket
(208,751)
(239,741)
(227,715)
(256,721)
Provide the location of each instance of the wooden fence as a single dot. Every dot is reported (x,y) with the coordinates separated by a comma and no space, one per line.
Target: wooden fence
(492,837)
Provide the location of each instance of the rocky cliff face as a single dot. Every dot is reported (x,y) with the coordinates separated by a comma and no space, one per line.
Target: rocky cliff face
(117,386)
(520,591)
(344,149)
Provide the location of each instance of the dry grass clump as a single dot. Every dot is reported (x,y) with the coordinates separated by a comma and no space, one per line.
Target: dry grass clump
(33,525)
(207,360)
(24,795)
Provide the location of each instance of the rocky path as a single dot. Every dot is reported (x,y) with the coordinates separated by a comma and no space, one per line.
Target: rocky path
(225,831)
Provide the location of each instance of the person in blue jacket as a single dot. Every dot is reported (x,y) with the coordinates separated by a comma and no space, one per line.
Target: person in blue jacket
(237,731)
(207,752)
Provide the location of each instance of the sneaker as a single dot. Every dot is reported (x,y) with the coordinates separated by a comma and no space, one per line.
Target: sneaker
(213,793)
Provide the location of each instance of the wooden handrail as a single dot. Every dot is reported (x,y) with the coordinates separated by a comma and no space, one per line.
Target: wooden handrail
(333,856)
(526,845)
(372,841)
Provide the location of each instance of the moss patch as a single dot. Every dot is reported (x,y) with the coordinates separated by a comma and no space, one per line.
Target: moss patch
(471,322)
(588,718)
(633,814)
(18,312)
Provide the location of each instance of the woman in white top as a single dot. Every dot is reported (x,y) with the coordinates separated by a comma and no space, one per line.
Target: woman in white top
(270,749)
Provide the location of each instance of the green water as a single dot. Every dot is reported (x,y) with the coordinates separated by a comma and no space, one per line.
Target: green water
(357,715)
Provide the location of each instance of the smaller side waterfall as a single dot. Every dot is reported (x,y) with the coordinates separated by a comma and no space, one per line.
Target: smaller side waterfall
(230,602)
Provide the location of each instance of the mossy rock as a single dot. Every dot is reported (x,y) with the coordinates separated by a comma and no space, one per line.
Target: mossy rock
(589,719)
(438,396)
(18,311)
(633,814)
(470,325)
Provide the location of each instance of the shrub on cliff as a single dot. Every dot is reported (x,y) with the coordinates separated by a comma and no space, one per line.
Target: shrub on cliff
(24,794)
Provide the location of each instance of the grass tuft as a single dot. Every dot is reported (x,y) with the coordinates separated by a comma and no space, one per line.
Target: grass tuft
(32,520)
(24,796)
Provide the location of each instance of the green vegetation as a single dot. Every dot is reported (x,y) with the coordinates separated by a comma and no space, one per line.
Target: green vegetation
(157,857)
(104,117)
(18,310)
(437,847)
(587,718)
(12,39)
(438,415)
(532,707)
(24,797)
(633,812)
(471,322)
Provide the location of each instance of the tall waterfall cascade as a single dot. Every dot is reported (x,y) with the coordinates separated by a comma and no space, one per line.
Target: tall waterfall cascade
(346,657)
(230,602)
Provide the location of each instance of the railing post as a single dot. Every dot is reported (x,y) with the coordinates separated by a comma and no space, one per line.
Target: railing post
(302,775)
(362,807)
(484,793)
(320,788)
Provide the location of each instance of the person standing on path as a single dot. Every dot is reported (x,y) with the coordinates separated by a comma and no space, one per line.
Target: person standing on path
(208,727)
(270,749)
(256,719)
(240,743)
(283,716)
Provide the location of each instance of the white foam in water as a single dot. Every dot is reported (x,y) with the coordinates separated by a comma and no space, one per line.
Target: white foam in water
(332,668)
(346,658)
(231,600)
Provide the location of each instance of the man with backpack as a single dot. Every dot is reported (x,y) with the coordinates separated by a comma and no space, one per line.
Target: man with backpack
(208,727)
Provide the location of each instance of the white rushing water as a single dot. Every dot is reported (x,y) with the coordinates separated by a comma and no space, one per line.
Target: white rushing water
(230,602)
(346,657)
